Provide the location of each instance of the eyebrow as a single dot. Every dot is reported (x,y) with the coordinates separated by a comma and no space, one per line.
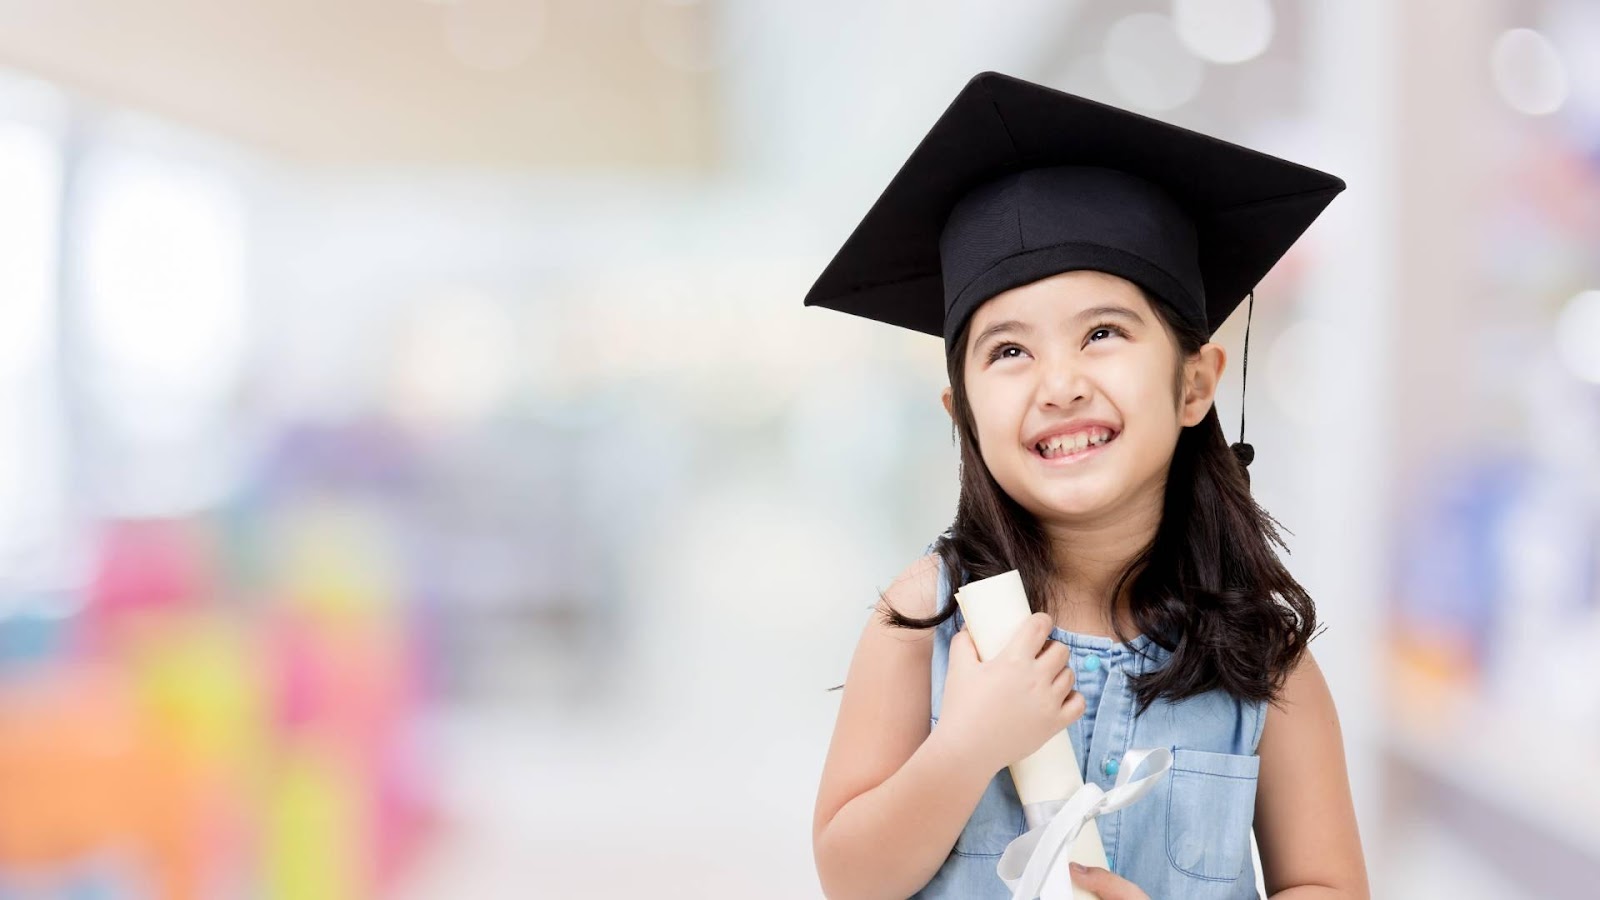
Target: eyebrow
(1007,326)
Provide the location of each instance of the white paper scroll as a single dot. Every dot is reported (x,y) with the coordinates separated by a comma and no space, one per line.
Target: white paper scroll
(1058,807)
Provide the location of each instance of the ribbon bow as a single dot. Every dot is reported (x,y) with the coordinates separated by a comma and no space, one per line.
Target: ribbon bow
(1028,864)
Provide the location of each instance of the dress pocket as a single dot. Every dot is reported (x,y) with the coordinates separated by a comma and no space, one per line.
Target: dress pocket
(996,821)
(1211,800)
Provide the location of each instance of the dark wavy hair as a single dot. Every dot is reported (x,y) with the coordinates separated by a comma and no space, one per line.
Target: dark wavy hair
(1208,588)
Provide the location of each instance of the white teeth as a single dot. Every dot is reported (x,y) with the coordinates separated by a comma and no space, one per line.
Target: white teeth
(1063,445)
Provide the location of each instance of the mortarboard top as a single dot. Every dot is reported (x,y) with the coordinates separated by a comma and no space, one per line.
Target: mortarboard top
(1017,181)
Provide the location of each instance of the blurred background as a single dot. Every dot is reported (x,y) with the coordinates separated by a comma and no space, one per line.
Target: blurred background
(421,478)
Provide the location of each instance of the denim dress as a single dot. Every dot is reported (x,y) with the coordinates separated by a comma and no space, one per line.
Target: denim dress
(1188,838)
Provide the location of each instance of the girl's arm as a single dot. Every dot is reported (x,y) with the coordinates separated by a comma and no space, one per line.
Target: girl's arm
(1305,819)
(893,798)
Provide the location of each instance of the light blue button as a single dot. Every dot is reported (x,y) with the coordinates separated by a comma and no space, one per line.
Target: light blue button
(1110,861)
(1091,663)
(1112,766)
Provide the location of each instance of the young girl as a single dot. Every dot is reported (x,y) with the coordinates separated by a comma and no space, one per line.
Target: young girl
(1076,258)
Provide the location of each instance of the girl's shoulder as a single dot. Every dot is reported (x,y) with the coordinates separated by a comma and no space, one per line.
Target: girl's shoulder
(915,591)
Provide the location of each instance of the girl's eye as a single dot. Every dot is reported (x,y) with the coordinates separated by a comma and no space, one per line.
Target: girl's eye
(1000,349)
(1107,326)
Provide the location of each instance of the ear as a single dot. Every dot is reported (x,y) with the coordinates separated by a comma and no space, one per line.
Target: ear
(946,397)
(1201,375)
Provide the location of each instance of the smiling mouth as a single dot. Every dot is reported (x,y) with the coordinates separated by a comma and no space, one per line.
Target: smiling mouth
(1070,451)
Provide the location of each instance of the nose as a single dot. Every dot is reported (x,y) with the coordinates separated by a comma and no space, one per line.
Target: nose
(1062,383)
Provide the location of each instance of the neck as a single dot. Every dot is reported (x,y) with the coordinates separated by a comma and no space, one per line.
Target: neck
(1089,557)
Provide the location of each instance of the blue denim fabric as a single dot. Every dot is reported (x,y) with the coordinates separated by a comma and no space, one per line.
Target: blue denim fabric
(1188,839)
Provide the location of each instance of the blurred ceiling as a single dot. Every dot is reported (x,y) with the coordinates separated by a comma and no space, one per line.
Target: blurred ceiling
(518,84)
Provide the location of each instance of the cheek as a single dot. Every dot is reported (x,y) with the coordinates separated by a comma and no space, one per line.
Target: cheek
(996,418)
(1144,388)
(1158,421)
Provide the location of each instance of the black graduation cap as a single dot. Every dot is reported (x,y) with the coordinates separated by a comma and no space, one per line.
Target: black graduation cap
(1017,181)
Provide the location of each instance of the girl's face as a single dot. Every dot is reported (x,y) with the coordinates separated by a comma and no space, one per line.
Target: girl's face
(1078,396)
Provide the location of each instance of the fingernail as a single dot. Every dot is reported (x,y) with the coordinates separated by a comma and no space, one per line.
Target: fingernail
(1078,867)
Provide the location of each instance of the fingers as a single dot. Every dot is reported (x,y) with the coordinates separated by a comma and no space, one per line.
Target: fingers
(961,645)
(1073,708)
(1024,643)
(1054,655)
(1063,681)
(1105,884)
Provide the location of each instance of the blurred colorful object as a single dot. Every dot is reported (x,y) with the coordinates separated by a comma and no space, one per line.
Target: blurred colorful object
(195,732)
(85,774)
(144,567)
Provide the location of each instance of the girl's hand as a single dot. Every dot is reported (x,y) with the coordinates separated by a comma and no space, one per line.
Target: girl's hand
(1106,884)
(1002,709)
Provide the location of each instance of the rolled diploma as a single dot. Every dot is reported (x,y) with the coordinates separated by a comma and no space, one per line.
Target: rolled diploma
(994,608)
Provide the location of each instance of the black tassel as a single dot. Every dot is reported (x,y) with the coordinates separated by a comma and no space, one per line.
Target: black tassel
(1242,451)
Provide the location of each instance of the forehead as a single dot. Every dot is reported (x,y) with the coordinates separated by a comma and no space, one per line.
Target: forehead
(1060,296)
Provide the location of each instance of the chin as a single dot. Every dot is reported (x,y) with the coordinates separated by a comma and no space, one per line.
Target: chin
(1080,501)
(1067,514)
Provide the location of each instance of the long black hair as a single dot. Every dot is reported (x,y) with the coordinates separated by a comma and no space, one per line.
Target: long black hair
(1208,588)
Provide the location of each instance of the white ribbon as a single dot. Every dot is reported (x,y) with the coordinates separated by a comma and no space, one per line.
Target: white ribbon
(1028,864)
